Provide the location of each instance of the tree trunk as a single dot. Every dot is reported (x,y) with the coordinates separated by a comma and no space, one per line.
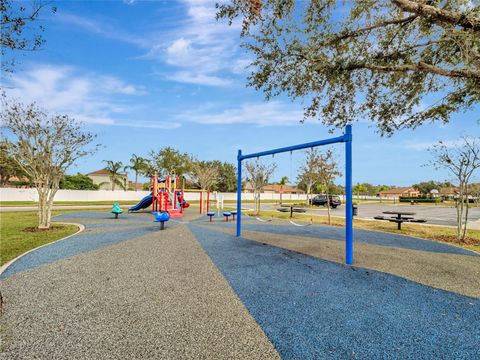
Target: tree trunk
(309,189)
(136,180)
(328,203)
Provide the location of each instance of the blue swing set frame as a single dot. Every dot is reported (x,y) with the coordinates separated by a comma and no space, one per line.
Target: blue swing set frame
(345,138)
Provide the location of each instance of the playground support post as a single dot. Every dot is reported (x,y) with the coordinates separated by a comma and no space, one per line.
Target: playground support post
(345,138)
(239,193)
(348,194)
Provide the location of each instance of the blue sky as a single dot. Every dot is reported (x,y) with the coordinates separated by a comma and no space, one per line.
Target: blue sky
(143,75)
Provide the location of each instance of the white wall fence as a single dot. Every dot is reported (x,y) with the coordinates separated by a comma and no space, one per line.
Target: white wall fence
(14,194)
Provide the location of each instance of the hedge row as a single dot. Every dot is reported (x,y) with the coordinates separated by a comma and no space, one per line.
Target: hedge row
(420,200)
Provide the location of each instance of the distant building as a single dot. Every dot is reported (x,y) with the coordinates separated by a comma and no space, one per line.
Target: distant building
(15,182)
(449,192)
(135,186)
(102,179)
(275,189)
(400,191)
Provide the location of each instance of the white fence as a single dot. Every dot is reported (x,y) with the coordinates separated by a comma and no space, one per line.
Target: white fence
(14,194)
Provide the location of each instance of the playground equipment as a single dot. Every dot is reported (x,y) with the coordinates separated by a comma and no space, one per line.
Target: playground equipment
(116,209)
(205,200)
(161,217)
(345,138)
(211,214)
(167,200)
(227,214)
(167,197)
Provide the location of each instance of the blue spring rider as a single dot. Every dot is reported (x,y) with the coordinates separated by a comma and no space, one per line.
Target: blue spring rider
(116,209)
(161,217)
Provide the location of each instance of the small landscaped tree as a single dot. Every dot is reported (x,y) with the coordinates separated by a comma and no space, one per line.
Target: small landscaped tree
(462,162)
(115,175)
(258,175)
(309,171)
(44,146)
(205,174)
(137,164)
(327,172)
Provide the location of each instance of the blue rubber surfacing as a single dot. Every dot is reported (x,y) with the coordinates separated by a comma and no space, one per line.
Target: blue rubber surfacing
(315,309)
(360,236)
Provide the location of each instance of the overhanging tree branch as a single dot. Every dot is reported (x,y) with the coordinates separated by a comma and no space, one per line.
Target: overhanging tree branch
(439,16)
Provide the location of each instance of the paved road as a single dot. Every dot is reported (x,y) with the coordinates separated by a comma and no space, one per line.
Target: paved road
(439,215)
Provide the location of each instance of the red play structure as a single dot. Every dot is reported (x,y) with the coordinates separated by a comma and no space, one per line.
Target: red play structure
(167,197)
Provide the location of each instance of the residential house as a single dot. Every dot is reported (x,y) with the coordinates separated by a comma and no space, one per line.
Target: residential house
(399,191)
(449,192)
(102,179)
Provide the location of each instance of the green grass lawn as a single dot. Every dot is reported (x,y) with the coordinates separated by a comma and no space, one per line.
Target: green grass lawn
(14,241)
(436,233)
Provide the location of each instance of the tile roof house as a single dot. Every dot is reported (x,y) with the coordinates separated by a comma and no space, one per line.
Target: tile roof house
(102,179)
(399,191)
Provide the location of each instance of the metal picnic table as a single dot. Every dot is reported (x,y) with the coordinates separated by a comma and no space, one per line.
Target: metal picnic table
(401,216)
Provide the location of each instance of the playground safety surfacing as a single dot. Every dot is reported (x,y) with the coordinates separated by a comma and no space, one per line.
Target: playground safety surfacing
(122,289)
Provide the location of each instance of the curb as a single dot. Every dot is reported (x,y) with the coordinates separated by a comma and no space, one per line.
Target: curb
(81,227)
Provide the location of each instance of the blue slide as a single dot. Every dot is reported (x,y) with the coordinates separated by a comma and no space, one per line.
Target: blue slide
(145,202)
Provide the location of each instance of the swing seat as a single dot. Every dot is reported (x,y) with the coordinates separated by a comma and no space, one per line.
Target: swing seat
(300,225)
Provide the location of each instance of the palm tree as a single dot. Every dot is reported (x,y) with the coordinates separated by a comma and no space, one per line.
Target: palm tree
(114,167)
(137,164)
(283,181)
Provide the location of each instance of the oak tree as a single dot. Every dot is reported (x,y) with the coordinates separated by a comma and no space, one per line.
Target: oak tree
(365,59)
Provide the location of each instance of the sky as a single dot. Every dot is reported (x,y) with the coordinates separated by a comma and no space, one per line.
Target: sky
(144,75)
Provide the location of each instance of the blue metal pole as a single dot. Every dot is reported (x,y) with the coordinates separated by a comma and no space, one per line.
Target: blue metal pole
(239,193)
(348,194)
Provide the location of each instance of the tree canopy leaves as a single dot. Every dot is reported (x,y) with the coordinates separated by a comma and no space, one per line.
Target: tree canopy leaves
(378,60)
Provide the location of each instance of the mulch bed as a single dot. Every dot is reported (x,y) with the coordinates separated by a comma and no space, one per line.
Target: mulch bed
(453,239)
(35,229)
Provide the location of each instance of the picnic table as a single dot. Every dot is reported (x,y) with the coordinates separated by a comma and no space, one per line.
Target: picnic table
(401,217)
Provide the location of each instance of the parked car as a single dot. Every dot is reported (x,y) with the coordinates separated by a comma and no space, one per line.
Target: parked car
(321,200)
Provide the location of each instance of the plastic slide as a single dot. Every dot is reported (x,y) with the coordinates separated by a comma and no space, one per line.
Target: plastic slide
(145,202)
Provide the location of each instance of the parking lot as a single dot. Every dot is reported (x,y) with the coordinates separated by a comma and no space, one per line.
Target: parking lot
(438,215)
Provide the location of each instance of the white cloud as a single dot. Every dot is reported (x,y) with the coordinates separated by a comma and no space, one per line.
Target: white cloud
(87,97)
(196,78)
(199,49)
(273,113)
